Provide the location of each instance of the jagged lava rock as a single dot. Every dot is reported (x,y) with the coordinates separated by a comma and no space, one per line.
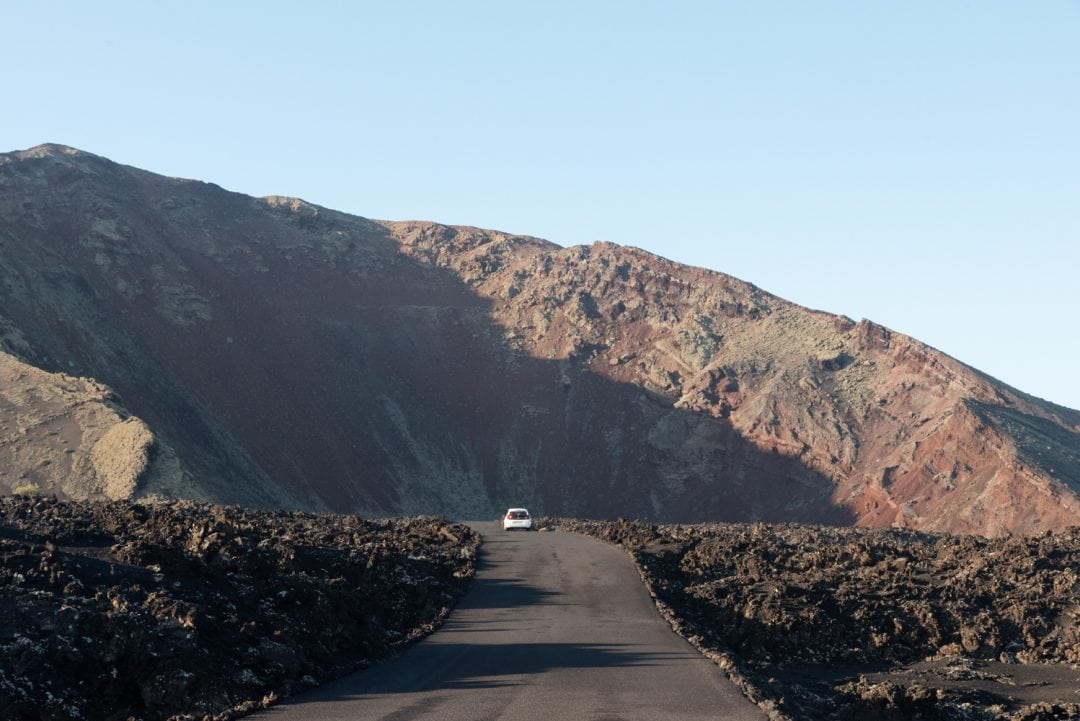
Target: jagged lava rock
(118,610)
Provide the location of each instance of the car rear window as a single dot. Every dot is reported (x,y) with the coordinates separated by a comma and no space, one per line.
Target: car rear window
(518,515)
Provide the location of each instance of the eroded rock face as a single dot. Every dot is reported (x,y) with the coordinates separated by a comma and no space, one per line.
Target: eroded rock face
(894,432)
(118,610)
(294,356)
(914,618)
(70,437)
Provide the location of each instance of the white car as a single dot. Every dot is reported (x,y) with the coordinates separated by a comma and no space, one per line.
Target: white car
(517,518)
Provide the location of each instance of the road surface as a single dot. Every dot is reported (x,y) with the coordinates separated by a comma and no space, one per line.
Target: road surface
(555,626)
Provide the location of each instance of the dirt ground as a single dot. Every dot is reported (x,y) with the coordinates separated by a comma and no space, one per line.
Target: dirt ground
(114,611)
(844,624)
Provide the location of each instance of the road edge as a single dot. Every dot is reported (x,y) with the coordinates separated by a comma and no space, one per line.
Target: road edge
(725,660)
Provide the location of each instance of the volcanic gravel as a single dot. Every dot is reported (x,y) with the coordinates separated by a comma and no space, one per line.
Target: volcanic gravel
(119,611)
(784,607)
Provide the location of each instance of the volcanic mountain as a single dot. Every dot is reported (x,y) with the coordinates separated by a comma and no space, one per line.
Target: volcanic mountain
(167,338)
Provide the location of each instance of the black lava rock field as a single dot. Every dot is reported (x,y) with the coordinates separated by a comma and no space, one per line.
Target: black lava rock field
(118,611)
(821,623)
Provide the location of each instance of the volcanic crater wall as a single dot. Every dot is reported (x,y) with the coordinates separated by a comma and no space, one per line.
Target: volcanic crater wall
(287,355)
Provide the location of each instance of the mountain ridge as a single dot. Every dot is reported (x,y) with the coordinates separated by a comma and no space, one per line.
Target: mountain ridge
(298,356)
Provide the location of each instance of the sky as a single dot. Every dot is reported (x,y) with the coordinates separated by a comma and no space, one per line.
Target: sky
(914,162)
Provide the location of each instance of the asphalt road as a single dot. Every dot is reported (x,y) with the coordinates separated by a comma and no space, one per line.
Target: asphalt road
(555,626)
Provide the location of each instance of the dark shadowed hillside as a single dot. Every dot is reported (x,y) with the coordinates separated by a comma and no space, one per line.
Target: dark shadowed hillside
(271,352)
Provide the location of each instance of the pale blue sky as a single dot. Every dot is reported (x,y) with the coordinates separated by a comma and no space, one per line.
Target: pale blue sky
(916,162)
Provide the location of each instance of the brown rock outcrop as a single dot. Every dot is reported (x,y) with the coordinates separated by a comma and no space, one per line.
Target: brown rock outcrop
(70,437)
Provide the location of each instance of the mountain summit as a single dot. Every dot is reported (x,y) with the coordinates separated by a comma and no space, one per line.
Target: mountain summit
(165,337)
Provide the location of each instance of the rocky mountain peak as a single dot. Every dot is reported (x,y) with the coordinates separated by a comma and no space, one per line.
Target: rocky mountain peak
(50,150)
